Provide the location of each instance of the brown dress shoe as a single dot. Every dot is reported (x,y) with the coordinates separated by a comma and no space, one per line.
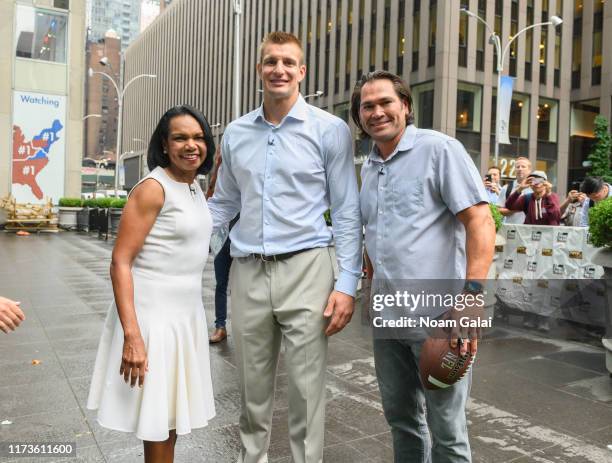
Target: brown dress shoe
(219,335)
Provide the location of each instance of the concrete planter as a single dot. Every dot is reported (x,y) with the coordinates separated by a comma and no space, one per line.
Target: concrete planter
(115,218)
(68,217)
(603,257)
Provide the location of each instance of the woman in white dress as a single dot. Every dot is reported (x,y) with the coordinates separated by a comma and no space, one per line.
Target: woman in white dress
(152,371)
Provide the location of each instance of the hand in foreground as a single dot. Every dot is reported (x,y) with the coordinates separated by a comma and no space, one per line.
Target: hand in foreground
(492,187)
(134,362)
(466,337)
(339,310)
(11,315)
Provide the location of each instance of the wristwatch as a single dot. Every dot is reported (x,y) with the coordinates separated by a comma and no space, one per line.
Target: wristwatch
(473,287)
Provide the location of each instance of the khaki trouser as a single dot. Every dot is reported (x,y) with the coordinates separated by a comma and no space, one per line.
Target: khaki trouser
(273,301)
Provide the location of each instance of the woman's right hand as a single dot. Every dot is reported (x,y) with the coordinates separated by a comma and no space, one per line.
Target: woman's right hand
(134,362)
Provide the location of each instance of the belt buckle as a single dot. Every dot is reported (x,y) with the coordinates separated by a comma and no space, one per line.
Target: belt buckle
(265,258)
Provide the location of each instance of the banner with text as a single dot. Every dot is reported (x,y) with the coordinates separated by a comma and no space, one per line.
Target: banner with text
(38,163)
(505,95)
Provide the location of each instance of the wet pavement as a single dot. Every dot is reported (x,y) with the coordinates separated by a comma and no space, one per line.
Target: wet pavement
(534,399)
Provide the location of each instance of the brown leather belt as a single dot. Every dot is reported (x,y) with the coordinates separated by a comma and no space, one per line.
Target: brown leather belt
(278,257)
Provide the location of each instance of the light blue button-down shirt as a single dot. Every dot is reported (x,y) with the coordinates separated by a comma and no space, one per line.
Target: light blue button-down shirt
(282,178)
(409,205)
(584,218)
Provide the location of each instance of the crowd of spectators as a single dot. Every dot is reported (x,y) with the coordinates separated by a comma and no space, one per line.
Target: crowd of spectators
(529,199)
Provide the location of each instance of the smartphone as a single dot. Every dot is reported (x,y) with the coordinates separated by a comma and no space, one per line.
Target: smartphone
(575,186)
(488,178)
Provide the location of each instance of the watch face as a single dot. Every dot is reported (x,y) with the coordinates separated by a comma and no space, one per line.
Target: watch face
(473,287)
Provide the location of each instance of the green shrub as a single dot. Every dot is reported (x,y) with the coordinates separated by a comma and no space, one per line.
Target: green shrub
(89,202)
(70,202)
(118,203)
(327,217)
(600,223)
(497,217)
(103,203)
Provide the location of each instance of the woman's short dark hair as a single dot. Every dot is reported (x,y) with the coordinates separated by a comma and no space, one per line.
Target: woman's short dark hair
(591,185)
(401,89)
(155,154)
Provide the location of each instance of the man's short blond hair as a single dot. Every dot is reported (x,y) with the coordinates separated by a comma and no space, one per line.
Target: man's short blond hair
(523,158)
(280,38)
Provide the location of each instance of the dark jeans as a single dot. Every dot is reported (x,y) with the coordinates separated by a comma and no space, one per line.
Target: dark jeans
(223,262)
(426,425)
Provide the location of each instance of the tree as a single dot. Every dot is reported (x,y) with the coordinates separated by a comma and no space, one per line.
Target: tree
(601,156)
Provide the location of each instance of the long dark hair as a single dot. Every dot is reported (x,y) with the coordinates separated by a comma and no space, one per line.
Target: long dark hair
(155,154)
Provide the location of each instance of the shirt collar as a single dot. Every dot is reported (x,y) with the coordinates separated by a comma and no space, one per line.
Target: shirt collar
(298,111)
(406,143)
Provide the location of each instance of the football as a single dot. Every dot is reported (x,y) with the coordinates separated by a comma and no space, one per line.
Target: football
(440,365)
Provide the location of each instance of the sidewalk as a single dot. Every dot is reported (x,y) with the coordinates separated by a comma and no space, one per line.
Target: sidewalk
(533,399)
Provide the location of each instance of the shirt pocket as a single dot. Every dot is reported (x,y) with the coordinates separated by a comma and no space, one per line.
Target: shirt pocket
(407,197)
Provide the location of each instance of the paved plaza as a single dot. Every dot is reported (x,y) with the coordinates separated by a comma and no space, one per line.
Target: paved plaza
(534,398)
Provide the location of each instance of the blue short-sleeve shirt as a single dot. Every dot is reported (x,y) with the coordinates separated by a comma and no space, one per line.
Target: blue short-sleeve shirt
(409,204)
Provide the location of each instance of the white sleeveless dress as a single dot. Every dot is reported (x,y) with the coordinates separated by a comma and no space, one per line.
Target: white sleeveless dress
(177,392)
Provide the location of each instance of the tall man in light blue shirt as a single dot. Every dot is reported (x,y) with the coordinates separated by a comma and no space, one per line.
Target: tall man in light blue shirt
(426,217)
(285,164)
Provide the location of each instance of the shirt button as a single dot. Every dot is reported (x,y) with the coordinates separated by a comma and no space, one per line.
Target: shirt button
(380,212)
(380,262)
(267,223)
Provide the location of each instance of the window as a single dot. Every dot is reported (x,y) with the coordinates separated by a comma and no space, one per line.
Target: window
(497,27)
(401,45)
(463,35)
(547,120)
(40,34)
(62,4)
(469,105)
(597,43)
(431,54)
(576,52)
(481,39)
(423,98)
(543,43)
(416,36)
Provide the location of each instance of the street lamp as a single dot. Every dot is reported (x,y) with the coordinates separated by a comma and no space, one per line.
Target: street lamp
(237,6)
(495,40)
(216,126)
(316,94)
(120,95)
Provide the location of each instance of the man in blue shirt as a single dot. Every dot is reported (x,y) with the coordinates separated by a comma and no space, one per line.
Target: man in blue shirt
(426,217)
(285,164)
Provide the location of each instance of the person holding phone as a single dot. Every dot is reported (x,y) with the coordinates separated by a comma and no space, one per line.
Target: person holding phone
(571,208)
(541,207)
(491,183)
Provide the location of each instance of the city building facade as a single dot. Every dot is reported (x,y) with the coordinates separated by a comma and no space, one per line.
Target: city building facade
(563,75)
(41,98)
(122,16)
(101,105)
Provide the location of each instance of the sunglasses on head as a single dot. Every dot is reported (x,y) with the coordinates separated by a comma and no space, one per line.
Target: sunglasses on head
(537,180)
